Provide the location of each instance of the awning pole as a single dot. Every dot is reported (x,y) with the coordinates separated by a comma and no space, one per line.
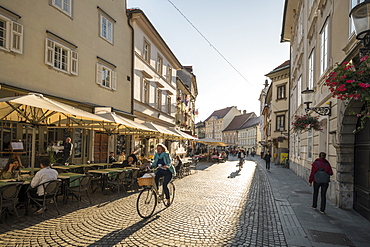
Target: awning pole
(33,149)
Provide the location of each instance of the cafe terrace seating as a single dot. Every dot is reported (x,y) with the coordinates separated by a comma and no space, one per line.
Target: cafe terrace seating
(51,189)
(8,197)
(77,190)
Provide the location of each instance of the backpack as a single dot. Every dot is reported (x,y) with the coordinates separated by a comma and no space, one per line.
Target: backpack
(321,176)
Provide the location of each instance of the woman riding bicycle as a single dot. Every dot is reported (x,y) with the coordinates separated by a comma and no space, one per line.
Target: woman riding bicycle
(165,169)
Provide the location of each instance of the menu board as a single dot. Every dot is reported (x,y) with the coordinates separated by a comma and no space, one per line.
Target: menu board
(16,146)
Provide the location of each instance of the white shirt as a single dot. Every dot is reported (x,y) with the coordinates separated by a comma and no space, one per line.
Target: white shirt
(44,175)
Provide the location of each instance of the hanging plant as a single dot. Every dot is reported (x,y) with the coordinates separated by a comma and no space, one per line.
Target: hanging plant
(349,83)
(306,122)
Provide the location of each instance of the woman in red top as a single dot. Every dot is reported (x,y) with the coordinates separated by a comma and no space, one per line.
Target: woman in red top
(323,163)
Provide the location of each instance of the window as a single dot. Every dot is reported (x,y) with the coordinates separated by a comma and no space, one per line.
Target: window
(146,51)
(159,98)
(281,92)
(280,122)
(300,25)
(61,57)
(168,104)
(146,91)
(11,35)
(106,29)
(169,73)
(309,144)
(311,70)
(299,146)
(324,49)
(63,5)
(106,76)
(299,90)
(159,64)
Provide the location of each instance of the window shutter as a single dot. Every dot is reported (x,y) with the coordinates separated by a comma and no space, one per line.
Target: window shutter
(98,73)
(16,38)
(74,63)
(114,80)
(49,52)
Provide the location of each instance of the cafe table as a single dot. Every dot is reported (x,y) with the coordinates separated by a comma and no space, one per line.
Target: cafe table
(70,168)
(104,174)
(28,170)
(66,179)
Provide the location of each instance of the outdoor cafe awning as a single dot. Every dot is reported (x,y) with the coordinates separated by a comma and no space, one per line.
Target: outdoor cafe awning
(183,134)
(210,141)
(162,130)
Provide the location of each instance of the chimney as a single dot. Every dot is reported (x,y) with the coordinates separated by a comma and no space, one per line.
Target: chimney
(189,68)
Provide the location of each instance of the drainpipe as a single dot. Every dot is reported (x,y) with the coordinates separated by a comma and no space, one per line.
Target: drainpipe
(129,16)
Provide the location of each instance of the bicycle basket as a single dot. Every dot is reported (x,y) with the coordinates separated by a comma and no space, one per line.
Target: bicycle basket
(145,181)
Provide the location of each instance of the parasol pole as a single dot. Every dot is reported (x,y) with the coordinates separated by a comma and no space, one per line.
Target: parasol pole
(33,149)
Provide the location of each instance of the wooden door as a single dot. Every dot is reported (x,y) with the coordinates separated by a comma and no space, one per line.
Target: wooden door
(100,147)
(362,171)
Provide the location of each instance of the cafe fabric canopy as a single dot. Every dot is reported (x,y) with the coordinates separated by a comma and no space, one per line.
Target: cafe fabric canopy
(211,142)
(36,110)
(162,131)
(183,134)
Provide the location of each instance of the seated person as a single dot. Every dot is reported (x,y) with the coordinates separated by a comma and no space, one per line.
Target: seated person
(44,175)
(223,156)
(11,169)
(131,161)
(122,157)
(111,158)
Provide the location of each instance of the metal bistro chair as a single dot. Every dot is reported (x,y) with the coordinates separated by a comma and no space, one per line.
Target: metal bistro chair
(180,171)
(119,182)
(51,189)
(84,186)
(9,197)
(131,181)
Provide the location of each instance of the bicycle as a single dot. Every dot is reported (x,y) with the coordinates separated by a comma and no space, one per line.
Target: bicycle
(150,196)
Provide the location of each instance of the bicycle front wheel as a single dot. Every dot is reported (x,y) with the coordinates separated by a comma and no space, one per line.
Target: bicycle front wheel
(171,188)
(146,203)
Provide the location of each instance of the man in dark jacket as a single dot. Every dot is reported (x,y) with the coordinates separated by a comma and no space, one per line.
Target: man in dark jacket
(67,151)
(322,163)
(267,158)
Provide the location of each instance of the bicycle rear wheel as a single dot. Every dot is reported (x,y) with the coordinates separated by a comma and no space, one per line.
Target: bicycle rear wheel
(146,203)
(171,188)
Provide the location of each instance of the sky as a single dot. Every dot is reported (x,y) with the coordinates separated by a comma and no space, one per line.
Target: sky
(245,32)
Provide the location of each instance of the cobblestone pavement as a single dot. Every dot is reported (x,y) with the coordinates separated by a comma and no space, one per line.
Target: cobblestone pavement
(216,206)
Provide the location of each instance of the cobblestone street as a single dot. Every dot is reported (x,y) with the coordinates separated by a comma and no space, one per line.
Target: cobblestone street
(216,206)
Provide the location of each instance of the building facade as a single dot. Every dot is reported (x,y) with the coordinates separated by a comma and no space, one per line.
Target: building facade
(321,34)
(219,120)
(249,134)
(230,133)
(76,52)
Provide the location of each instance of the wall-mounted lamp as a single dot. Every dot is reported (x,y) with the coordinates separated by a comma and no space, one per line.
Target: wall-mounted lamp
(360,16)
(307,96)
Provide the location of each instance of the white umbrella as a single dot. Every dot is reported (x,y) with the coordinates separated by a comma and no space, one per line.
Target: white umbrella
(35,109)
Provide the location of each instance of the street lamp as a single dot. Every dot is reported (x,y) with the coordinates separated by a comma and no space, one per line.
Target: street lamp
(360,16)
(307,96)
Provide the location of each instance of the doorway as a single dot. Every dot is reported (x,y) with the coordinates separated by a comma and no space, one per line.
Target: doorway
(362,171)
(100,147)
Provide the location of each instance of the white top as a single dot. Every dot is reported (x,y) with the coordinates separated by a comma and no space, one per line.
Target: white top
(44,175)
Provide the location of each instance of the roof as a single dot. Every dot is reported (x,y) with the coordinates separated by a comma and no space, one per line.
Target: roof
(220,113)
(282,66)
(251,122)
(238,121)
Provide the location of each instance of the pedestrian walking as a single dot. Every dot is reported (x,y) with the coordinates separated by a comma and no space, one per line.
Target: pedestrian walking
(320,176)
(267,159)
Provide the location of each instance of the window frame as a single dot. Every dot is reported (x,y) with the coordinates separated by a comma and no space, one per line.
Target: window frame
(169,73)
(324,43)
(100,68)
(311,69)
(281,92)
(299,90)
(158,100)
(108,21)
(159,65)
(146,51)
(146,92)
(11,36)
(280,122)
(61,8)
(168,104)
(309,144)
(50,57)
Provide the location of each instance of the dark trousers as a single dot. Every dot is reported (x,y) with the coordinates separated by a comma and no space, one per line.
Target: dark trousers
(268,165)
(324,188)
(167,178)
(66,158)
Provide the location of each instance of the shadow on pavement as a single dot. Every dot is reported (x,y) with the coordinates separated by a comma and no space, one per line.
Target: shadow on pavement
(116,237)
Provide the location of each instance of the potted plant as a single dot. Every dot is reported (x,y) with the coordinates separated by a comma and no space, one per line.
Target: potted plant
(349,83)
(306,122)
